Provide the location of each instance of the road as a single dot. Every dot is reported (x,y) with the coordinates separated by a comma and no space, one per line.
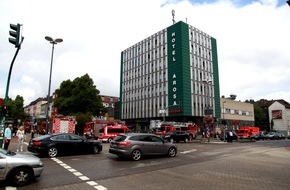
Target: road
(250,165)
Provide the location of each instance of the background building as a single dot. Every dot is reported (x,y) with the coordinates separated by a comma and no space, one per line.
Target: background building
(279,116)
(172,75)
(236,113)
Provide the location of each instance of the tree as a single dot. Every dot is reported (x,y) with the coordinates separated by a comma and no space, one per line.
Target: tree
(81,120)
(15,109)
(78,96)
(260,117)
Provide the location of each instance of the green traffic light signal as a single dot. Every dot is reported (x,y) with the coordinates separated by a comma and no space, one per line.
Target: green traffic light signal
(15,34)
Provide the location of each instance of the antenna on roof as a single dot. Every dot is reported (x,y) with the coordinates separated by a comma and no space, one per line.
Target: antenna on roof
(173,14)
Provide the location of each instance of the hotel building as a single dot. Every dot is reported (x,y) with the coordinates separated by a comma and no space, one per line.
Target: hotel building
(172,75)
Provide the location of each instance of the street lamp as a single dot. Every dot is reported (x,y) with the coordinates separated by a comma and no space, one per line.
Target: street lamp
(53,42)
(224,109)
(207,92)
(224,123)
(207,111)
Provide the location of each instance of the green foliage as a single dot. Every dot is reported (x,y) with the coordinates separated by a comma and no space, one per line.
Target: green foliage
(78,96)
(272,125)
(15,109)
(81,120)
(260,117)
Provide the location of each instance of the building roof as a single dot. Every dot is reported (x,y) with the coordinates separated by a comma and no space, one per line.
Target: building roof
(268,103)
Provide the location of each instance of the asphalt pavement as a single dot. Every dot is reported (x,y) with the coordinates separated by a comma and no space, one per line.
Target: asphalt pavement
(245,171)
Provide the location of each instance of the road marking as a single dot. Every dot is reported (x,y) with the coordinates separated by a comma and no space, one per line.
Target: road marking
(10,188)
(188,151)
(78,174)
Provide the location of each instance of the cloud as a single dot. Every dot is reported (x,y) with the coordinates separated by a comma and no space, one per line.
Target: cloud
(253,50)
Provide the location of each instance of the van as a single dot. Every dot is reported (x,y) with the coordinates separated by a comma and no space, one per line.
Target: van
(246,132)
(108,133)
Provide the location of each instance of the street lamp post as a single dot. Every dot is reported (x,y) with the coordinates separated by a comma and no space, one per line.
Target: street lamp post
(207,92)
(224,123)
(53,42)
(207,111)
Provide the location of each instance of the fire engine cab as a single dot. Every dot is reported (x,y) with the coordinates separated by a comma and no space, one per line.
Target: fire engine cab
(166,127)
(63,124)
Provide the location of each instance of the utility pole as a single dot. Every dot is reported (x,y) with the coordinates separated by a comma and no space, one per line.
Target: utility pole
(16,39)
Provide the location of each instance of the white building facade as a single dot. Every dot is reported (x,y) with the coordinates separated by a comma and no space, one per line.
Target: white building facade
(279,116)
(172,72)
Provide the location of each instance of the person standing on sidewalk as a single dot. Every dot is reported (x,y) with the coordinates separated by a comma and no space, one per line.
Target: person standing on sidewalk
(21,135)
(7,136)
(230,137)
(32,132)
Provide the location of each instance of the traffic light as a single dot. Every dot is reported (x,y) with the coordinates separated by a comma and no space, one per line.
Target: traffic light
(4,110)
(15,34)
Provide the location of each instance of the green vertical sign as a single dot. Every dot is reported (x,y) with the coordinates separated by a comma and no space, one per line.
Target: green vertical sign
(179,88)
(216,78)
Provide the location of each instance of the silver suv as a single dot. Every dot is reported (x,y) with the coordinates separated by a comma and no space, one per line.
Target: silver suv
(19,169)
(136,145)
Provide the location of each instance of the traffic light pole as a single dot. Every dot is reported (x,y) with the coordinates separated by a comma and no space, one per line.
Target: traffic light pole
(2,121)
(10,70)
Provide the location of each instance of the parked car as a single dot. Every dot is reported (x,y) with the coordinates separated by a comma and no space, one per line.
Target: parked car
(272,136)
(137,145)
(63,143)
(18,168)
(281,136)
(288,137)
(235,136)
(177,136)
(260,136)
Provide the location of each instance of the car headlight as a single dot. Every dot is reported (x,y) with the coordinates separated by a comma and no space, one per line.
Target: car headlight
(40,163)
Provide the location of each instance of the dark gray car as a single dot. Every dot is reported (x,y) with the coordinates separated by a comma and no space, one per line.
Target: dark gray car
(136,145)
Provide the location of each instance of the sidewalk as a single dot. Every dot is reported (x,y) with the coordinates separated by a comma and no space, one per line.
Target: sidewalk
(14,141)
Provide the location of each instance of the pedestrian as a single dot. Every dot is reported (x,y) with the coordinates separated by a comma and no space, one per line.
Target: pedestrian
(250,134)
(7,136)
(32,132)
(230,136)
(21,136)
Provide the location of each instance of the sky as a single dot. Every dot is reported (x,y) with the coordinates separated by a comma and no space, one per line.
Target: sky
(252,42)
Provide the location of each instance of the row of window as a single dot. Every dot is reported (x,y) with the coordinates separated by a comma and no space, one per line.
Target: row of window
(236,112)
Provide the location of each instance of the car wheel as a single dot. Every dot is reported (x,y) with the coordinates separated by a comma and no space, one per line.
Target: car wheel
(186,140)
(21,176)
(172,152)
(52,152)
(96,150)
(110,140)
(136,155)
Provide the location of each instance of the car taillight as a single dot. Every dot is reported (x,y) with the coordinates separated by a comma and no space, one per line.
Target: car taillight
(36,143)
(124,143)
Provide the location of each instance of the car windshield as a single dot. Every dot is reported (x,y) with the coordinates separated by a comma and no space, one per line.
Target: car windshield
(3,151)
(7,152)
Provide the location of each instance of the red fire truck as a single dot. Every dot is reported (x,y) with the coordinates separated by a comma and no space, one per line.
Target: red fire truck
(109,132)
(174,126)
(245,132)
(104,130)
(63,124)
(91,129)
